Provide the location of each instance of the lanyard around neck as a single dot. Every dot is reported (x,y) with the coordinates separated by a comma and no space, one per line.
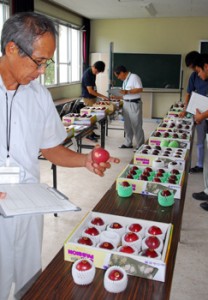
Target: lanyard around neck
(126,81)
(8,121)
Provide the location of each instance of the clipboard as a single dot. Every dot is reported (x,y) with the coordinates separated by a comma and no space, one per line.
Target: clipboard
(197,101)
(35,198)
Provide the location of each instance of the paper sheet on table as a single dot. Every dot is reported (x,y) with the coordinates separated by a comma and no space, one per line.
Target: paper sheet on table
(33,198)
(197,101)
(115,92)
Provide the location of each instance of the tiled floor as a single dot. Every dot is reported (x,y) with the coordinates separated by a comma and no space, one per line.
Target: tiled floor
(85,189)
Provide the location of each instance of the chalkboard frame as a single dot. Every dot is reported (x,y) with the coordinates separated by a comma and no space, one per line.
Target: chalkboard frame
(153,69)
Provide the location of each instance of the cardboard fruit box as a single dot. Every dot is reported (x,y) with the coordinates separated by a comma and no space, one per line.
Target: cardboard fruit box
(146,155)
(148,186)
(184,121)
(134,264)
(101,111)
(177,127)
(79,119)
(169,141)
(70,131)
(110,106)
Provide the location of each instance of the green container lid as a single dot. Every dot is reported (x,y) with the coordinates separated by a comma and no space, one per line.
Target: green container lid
(166,200)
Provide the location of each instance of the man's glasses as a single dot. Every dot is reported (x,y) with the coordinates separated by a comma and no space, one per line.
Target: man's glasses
(39,66)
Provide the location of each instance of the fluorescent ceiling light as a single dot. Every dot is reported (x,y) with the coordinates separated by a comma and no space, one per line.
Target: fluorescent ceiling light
(151,9)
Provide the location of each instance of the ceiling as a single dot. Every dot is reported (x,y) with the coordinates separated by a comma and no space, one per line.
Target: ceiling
(110,9)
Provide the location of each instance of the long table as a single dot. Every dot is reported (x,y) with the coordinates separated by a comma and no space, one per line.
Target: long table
(56,281)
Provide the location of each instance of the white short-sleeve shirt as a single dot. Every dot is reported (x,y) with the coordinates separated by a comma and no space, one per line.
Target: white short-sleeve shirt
(131,82)
(35,124)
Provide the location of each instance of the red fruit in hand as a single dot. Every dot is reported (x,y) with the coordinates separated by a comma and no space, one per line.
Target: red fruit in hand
(131,237)
(85,241)
(100,155)
(83,265)
(152,242)
(97,221)
(115,275)
(154,230)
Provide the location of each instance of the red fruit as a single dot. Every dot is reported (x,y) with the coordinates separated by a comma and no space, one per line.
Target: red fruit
(134,168)
(85,241)
(125,183)
(130,176)
(152,242)
(166,193)
(132,172)
(143,177)
(149,253)
(146,173)
(97,221)
(83,265)
(148,169)
(157,179)
(115,275)
(131,237)
(154,230)
(174,172)
(127,249)
(135,227)
(145,151)
(92,231)
(171,180)
(106,245)
(157,133)
(115,225)
(100,155)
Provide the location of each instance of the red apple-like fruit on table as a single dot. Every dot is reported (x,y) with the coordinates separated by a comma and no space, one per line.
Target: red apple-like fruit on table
(173,176)
(106,245)
(131,237)
(165,193)
(135,227)
(157,147)
(171,180)
(148,169)
(143,177)
(100,155)
(145,151)
(174,171)
(132,172)
(157,179)
(92,231)
(149,253)
(115,275)
(184,136)
(146,173)
(134,168)
(125,184)
(161,170)
(115,225)
(154,230)
(130,176)
(175,136)
(159,174)
(165,134)
(152,242)
(155,152)
(85,241)
(83,265)
(126,249)
(157,134)
(148,147)
(97,221)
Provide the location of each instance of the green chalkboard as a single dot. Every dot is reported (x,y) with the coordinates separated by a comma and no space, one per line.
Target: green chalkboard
(157,71)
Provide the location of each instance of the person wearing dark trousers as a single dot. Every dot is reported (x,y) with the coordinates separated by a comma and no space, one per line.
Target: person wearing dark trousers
(196,84)
(132,107)
(89,89)
(202,70)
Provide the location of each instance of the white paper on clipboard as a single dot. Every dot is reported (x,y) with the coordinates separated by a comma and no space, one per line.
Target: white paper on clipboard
(115,92)
(32,199)
(197,101)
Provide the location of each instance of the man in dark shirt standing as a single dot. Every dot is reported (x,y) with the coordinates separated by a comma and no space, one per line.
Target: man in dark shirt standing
(89,90)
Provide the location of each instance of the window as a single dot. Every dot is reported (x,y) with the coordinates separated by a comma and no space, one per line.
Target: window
(67,67)
(4,14)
